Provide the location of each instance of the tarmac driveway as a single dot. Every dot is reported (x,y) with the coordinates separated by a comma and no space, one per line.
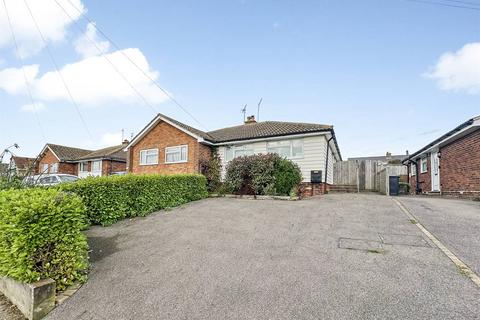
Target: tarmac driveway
(337,257)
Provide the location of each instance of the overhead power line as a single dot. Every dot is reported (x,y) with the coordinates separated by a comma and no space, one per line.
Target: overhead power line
(27,83)
(467,6)
(109,61)
(176,102)
(58,72)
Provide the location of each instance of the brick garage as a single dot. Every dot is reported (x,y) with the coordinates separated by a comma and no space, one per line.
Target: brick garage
(459,162)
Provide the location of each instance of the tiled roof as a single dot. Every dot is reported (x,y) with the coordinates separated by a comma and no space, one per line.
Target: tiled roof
(114,153)
(264,130)
(23,162)
(187,127)
(65,153)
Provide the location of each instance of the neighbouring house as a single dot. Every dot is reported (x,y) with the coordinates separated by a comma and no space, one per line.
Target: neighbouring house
(20,166)
(168,146)
(81,162)
(449,165)
(387,158)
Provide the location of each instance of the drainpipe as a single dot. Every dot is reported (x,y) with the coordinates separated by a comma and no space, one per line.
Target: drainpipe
(326,162)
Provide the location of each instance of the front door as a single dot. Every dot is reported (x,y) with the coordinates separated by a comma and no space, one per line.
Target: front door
(435,164)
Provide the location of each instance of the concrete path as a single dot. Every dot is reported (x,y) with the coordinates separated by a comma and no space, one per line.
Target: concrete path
(337,257)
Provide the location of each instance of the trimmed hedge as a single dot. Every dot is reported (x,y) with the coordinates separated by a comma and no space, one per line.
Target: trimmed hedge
(262,174)
(112,198)
(41,236)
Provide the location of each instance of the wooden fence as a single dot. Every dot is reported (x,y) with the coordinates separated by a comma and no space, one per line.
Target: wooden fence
(366,175)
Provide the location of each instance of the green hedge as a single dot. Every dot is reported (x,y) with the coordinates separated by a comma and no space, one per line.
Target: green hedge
(112,198)
(41,236)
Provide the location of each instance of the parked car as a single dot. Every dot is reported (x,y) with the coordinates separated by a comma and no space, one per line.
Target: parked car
(49,179)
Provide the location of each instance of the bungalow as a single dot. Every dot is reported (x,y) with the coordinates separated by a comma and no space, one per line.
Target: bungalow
(80,162)
(168,146)
(21,166)
(449,165)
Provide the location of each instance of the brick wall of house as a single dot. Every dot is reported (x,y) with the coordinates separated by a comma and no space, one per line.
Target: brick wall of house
(460,167)
(77,167)
(50,159)
(425,179)
(161,136)
(109,167)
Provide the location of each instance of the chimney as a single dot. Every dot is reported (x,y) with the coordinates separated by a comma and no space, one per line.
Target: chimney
(389,156)
(125,142)
(250,119)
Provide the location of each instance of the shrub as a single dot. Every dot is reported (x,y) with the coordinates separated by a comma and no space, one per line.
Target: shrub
(267,174)
(211,169)
(40,236)
(287,177)
(112,198)
(12,183)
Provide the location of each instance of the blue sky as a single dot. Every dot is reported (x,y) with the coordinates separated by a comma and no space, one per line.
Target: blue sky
(360,65)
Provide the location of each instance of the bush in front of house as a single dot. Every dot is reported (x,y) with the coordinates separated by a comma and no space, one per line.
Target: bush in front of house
(262,174)
(41,236)
(212,170)
(112,198)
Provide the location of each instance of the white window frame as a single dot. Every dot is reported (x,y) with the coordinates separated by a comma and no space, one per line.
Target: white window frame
(146,151)
(54,168)
(83,166)
(290,142)
(413,172)
(45,168)
(245,148)
(422,162)
(93,166)
(176,149)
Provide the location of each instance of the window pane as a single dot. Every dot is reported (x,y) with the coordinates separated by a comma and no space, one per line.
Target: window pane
(228,153)
(149,156)
(297,148)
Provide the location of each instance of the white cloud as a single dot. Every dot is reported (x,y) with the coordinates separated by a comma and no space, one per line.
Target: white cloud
(111,139)
(38,106)
(51,19)
(12,80)
(459,71)
(89,44)
(92,81)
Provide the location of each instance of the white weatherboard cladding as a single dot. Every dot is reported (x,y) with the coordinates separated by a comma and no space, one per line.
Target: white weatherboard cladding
(314,156)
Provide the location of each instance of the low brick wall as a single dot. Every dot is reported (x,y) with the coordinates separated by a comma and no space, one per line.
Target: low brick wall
(308,189)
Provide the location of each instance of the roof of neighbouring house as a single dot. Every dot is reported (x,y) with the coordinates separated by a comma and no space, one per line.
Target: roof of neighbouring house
(114,153)
(23,162)
(65,153)
(456,133)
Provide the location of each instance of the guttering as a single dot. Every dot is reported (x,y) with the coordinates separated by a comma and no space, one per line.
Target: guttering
(272,137)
